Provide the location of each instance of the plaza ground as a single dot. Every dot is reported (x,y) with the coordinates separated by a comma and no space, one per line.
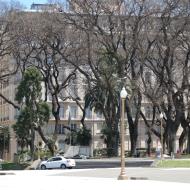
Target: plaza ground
(82,179)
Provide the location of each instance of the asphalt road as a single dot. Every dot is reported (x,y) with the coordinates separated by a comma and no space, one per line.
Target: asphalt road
(90,164)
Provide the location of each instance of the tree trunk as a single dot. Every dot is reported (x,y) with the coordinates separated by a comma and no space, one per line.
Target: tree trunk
(112,141)
(182,139)
(149,140)
(46,141)
(116,132)
(188,141)
(133,138)
(32,148)
(116,144)
(55,112)
(133,129)
(172,141)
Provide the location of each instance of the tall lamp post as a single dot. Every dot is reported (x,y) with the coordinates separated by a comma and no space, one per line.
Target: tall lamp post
(161,135)
(123,95)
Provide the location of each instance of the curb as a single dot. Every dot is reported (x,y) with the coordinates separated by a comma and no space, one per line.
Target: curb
(138,178)
(6,173)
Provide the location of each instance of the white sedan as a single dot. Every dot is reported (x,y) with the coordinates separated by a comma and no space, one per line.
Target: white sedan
(57,162)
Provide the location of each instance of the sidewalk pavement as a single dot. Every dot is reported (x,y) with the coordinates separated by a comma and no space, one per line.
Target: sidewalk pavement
(53,180)
(73,183)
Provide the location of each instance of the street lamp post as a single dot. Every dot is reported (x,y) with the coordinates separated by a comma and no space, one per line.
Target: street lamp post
(123,96)
(161,135)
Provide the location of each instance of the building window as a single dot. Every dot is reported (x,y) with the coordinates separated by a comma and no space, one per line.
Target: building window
(61,112)
(99,115)
(73,126)
(98,128)
(61,129)
(73,111)
(88,112)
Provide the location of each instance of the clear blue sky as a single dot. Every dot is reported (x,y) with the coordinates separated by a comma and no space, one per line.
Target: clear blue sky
(28,3)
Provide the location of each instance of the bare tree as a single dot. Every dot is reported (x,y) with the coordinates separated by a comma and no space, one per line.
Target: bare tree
(40,46)
(113,32)
(168,61)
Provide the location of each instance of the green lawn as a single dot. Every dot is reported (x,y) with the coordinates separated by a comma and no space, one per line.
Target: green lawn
(174,164)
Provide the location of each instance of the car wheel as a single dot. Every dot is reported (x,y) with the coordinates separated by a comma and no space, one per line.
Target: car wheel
(43,167)
(63,166)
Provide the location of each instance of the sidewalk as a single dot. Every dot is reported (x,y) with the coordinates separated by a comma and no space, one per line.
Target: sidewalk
(59,180)
(82,183)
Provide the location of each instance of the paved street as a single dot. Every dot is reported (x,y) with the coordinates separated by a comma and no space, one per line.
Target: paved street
(112,163)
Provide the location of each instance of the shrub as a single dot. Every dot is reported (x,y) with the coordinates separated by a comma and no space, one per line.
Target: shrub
(13,166)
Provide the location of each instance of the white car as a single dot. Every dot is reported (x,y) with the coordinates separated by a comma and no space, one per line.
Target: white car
(57,162)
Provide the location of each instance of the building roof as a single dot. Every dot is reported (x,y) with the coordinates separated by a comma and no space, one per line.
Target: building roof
(46,7)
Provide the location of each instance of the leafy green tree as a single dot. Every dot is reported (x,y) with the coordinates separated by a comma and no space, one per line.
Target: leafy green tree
(103,95)
(84,136)
(108,136)
(22,130)
(34,112)
(81,137)
(71,138)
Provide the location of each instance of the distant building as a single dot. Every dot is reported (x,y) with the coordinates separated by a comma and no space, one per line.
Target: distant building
(106,6)
(46,7)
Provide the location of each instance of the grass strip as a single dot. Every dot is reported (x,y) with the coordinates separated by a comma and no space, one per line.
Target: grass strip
(174,164)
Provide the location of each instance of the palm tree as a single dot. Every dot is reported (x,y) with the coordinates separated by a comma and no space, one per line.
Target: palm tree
(102,94)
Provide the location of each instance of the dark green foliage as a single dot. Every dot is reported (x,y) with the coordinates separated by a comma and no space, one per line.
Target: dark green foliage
(43,111)
(21,127)
(81,137)
(104,89)
(30,87)
(84,136)
(108,135)
(34,113)
(103,96)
